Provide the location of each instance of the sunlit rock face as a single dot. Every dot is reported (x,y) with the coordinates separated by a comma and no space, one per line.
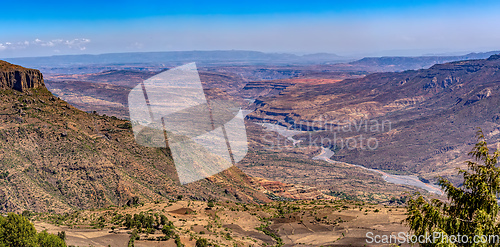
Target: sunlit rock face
(19,78)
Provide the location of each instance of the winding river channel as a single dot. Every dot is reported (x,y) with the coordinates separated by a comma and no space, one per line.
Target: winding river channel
(327,153)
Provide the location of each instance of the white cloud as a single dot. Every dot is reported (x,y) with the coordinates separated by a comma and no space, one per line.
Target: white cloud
(13,46)
(78,44)
(48,43)
(136,45)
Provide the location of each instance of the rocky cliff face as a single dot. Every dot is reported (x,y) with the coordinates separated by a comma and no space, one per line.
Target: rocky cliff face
(19,78)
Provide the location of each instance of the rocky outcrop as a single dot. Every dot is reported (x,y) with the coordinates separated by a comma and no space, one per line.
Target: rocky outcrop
(494,57)
(19,78)
(256,89)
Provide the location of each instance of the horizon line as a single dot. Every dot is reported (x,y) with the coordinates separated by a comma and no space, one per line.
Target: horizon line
(298,54)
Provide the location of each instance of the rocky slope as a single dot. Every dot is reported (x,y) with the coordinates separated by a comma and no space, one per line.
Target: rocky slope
(54,157)
(19,78)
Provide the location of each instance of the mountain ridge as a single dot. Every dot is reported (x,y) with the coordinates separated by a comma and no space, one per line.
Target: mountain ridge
(401,63)
(54,157)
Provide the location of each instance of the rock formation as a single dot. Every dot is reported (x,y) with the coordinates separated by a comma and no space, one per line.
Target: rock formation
(19,78)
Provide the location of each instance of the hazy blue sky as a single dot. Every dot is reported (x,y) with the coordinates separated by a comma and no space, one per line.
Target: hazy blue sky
(35,28)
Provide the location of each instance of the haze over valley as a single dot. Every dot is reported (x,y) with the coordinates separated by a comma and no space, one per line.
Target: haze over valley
(270,123)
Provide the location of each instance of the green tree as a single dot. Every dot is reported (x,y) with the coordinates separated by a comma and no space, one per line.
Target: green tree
(129,223)
(148,221)
(471,210)
(163,220)
(16,230)
(50,240)
(168,230)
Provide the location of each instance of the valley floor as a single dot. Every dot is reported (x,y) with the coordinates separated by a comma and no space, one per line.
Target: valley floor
(292,223)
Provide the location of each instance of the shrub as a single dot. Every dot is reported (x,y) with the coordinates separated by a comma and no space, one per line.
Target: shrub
(202,242)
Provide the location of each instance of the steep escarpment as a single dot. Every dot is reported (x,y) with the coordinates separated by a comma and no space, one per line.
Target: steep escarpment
(54,157)
(19,78)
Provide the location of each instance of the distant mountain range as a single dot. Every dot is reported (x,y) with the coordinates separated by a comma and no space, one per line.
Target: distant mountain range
(73,64)
(232,57)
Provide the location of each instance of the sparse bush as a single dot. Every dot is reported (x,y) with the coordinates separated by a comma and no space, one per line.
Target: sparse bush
(132,239)
(62,235)
(202,242)
(126,125)
(4,175)
(178,241)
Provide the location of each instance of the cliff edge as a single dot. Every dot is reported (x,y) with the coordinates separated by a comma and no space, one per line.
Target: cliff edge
(19,78)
